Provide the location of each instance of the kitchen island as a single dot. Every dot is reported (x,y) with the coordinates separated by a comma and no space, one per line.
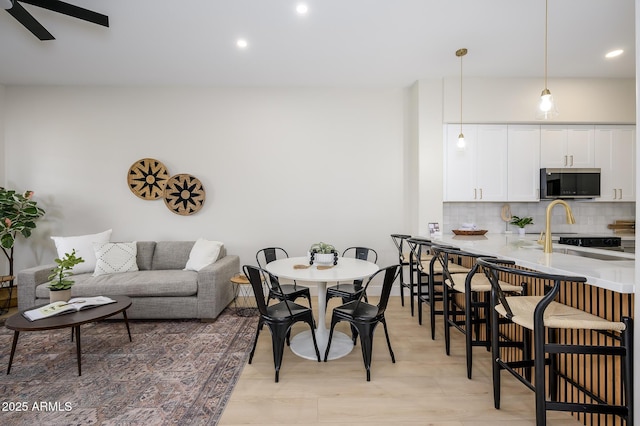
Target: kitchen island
(608,293)
(617,274)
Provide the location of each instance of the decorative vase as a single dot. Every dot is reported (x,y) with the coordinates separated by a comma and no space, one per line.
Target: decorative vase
(59,295)
(521,232)
(323,259)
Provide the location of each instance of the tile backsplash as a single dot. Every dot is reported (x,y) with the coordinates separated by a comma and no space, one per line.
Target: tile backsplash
(591,217)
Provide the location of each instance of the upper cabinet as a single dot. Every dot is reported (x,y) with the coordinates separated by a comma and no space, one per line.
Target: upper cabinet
(615,155)
(502,162)
(523,172)
(567,146)
(479,171)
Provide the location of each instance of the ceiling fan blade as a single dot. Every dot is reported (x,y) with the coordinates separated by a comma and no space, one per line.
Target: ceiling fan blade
(29,22)
(71,10)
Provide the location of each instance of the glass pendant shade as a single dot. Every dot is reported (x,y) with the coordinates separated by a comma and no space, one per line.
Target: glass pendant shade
(547,108)
(461,142)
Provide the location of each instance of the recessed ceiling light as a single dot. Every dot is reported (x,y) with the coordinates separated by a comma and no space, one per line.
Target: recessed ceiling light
(302,9)
(242,43)
(614,53)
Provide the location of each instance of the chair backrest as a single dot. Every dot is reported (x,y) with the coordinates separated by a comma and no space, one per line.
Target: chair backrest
(390,273)
(492,267)
(268,255)
(362,253)
(417,247)
(255,276)
(444,254)
(398,240)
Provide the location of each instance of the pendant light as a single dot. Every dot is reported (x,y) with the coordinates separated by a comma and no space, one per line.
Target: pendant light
(546,106)
(461,142)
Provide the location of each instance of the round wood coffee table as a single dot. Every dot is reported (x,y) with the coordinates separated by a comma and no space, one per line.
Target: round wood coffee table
(18,323)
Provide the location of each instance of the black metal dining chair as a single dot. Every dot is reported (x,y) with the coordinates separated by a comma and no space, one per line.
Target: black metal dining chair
(561,334)
(279,317)
(364,317)
(351,290)
(283,291)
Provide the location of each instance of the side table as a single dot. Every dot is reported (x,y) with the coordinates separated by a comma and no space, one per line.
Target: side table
(242,289)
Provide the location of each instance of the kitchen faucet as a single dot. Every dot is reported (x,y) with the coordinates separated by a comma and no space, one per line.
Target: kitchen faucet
(546,240)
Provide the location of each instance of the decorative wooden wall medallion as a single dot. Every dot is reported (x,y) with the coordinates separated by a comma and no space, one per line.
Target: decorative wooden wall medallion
(147,178)
(184,194)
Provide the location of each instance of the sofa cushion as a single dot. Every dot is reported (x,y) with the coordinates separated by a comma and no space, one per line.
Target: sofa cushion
(166,283)
(114,258)
(203,253)
(145,254)
(171,254)
(83,245)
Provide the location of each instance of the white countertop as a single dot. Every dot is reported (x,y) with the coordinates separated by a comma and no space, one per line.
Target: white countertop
(618,275)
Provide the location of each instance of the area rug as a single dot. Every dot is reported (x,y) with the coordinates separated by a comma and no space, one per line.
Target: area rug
(174,372)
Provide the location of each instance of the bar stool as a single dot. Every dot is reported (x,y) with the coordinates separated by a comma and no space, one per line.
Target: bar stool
(435,291)
(403,261)
(544,316)
(418,274)
(475,290)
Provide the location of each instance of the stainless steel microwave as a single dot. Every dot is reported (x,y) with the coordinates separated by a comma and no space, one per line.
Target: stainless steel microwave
(569,183)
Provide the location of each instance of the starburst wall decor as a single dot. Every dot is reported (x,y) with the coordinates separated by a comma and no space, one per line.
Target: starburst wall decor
(149,179)
(184,194)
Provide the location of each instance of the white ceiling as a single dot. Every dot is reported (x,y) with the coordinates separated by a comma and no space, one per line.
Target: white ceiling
(352,43)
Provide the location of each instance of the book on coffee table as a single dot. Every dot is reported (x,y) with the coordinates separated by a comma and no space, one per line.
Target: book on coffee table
(73,305)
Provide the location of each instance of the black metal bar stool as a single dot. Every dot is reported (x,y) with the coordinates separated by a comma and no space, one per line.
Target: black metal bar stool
(403,261)
(470,313)
(419,272)
(549,321)
(433,270)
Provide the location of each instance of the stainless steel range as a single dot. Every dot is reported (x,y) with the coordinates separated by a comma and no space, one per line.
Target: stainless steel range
(608,243)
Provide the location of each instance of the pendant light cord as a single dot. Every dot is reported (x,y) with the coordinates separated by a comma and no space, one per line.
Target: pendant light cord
(461,94)
(546,26)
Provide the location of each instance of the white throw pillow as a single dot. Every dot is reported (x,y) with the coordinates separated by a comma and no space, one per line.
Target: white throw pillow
(113,258)
(203,253)
(83,244)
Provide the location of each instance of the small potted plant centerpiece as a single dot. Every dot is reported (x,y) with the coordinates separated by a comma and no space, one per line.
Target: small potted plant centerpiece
(59,282)
(323,254)
(521,222)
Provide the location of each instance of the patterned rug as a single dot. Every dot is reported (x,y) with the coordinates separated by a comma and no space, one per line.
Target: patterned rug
(174,372)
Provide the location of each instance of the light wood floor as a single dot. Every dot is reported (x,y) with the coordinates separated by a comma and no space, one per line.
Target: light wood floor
(423,387)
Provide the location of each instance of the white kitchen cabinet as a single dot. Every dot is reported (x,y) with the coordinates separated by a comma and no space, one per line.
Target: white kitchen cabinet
(567,146)
(523,165)
(478,172)
(615,156)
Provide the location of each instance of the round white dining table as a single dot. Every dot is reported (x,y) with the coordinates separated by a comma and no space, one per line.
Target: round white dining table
(347,269)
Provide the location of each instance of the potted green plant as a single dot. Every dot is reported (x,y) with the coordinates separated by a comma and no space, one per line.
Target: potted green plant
(59,282)
(521,222)
(18,215)
(323,254)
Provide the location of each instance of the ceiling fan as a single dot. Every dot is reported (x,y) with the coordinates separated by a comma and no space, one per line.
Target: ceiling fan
(16,10)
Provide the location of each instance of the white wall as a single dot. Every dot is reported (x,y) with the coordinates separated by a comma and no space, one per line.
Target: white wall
(514,100)
(431,171)
(286,167)
(2,120)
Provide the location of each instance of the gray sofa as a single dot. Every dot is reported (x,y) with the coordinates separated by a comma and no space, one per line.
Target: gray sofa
(161,289)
